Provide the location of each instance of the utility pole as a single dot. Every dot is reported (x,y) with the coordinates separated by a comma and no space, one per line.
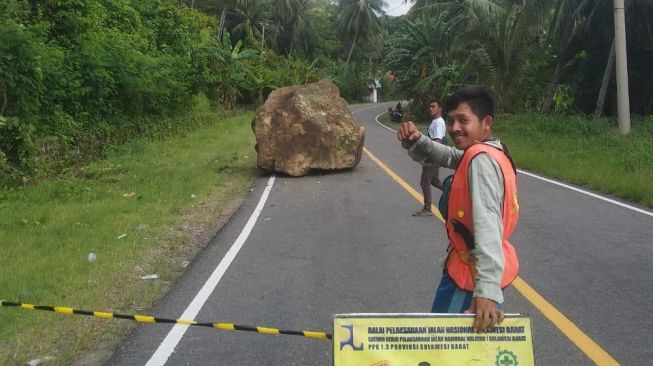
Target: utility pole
(623,101)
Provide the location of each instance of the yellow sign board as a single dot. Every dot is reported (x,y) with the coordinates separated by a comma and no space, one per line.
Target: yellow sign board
(429,340)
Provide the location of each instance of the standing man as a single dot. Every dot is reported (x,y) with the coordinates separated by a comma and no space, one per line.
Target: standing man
(430,172)
(481,210)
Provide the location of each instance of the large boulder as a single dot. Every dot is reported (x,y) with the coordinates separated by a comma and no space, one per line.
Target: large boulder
(306,127)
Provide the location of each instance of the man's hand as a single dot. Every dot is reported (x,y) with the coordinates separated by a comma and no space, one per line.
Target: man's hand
(487,314)
(408,132)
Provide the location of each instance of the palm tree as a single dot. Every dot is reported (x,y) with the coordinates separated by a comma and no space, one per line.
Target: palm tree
(566,25)
(359,20)
(299,26)
(474,9)
(323,20)
(283,10)
(295,18)
(431,56)
(607,75)
(640,37)
(226,5)
(517,38)
(248,21)
(498,36)
(574,19)
(509,40)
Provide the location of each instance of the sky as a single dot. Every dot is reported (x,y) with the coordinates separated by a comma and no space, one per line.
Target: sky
(396,7)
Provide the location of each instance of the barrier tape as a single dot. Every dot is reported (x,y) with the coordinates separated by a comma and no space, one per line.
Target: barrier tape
(152,319)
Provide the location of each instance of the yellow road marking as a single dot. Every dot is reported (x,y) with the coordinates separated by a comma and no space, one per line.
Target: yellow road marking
(402,183)
(566,326)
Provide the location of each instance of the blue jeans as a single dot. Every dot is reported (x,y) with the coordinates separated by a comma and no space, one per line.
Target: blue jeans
(451,299)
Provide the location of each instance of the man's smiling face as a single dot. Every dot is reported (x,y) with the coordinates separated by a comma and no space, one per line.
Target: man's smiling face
(465,128)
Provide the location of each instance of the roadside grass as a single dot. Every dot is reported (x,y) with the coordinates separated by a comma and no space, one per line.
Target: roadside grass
(136,210)
(584,151)
(580,150)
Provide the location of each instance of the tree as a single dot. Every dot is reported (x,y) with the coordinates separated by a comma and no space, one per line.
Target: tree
(295,18)
(359,20)
(248,21)
(509,40)
(497,37)
(586,26)
(426,53)
(226,5)
(324,21)
(565,27)
(607,75)
(474,9)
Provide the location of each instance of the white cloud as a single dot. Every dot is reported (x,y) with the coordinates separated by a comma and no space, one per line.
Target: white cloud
(397,7)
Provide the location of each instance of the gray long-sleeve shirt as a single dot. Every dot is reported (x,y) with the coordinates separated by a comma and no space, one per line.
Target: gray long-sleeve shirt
(486,192)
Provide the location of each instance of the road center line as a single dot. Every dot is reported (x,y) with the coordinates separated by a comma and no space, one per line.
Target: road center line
(165,349)
(593,351)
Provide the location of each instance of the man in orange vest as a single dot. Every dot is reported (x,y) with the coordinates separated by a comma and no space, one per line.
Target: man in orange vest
(479,205)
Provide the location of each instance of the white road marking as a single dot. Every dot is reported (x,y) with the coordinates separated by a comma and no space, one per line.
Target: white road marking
(165,349)
(606,199)
(382,125)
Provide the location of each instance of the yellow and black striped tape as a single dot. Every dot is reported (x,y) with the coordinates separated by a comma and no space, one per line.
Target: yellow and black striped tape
(152,319)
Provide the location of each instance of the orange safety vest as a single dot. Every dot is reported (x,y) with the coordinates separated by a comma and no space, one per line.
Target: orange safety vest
(461,262)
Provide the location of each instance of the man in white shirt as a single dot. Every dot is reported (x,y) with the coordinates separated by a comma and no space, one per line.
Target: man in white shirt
(437,132)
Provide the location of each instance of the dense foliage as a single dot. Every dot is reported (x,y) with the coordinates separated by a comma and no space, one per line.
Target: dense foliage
(78,75)
(537,55)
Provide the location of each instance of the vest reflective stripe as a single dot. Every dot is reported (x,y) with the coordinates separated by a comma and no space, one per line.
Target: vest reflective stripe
(461,263)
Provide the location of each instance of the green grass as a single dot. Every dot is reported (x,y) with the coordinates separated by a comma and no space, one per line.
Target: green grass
(584,151)
(134,209)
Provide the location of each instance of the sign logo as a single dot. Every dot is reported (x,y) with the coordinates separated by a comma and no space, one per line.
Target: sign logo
(350,341)
(506,358)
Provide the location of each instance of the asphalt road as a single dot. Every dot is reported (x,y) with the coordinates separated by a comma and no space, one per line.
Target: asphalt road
(346,242)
